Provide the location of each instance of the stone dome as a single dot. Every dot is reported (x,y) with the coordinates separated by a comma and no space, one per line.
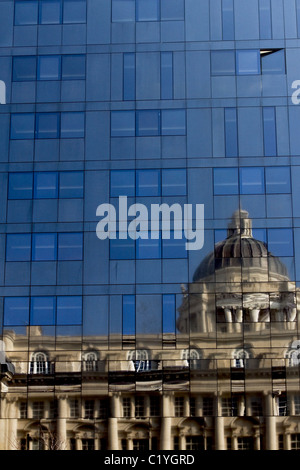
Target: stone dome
(239,245)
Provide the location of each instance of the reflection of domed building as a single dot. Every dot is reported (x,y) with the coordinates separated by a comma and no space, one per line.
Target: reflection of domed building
(228,380)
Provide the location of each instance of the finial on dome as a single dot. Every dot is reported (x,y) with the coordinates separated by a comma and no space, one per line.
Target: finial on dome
(240,224)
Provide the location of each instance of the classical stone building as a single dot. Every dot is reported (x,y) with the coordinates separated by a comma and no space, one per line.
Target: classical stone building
(230,380)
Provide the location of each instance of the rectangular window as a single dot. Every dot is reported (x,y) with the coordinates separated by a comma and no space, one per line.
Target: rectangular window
(128,315)
(147,248)
(179,406)
(73,67)
(208,406)
(44,246)
(69,310)
(49,67)
(72,125)
(227,19)
(74,11)
(122,249)
(252,180)
(74,408)
(147,10)
(226,181)
(47,125)
(269,127)
(280,241)
(173,122)
(23,409)
(42,311)
(222,63)
(50,12)
(18,247)
(169,313)
(20,186)
(26,13)
(173,246)
(70,246)
(16,311)
(139,407)
(89,406)
(273,62)
(71,184)
(297,404)
(123,10)
(265,28)
(122,124)
(22,126)
(166,75)
(122,183)
(231,133)
(174,182)
(126,401)
(24,68)
(148,123)
(129,76)
(45,185)
(248,62)
(38,409)
(148,183)
(172,10)
(154,406)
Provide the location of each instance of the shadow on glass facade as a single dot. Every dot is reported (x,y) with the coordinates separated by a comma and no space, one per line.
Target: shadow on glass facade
(150,225)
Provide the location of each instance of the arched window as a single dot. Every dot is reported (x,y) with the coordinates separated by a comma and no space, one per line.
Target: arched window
(39,363)
(191,358)
(293,354)
(140,360)
(90,361)
(240,356)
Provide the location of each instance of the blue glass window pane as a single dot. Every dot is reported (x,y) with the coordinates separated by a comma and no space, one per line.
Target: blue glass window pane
(147,10)
(42,311)
(278,180)
(265,29)
(18,247)
(252,180)
(24,68)
(148,123)
(20,185)
(50,12)
(148,183)
(173,122)
(172,9)
(248,62)
(48,67)
(72,125)
(231,134)
(298,16)
(226,181)
(122,249)
(16,311)
(122,123)
(70,246)
(227,19)
(22,126)
(73,67)
(26,13)
(146,248)
(269,126)
(128,315)
(44,246)
(273,63)
(280,241)
(222,63)
(174,182)
(166,75)
(122,183)
(74,11)
(47,126)
(129,76)
(174,247)
(169,313)
(71,184)
(69,310)
(123,10)
(45,185)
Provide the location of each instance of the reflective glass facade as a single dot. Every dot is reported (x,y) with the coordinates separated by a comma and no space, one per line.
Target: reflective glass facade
(150,224)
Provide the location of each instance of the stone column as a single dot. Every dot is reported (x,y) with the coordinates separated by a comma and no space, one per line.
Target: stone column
(182,442)
(113,436)
(12,423)
(287,440)
(219,424)
(271,442)
(62,422)
(166,423)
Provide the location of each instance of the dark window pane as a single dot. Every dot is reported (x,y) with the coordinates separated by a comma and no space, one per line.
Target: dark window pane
(174,182)
(20,185)
(45,185)
(278,180)
(18,247)
(148,248)
(280,241)
(148,123)
(172,9)
(248,62)
(47,126)
(73,67)
(223,63)
(16,311)
(147,10)
(128,315)
(22,126)
(26,12)
(148,182)
(166,75)
(71,184)
(24,68)
(129,76)
(227,19)
(48,67)
(122,123)
(72,125)
(265,27)
(169,313)
(122,249)
(69,310)
(44,246)
(123,10)
(42,311)
(252,181)
(174,247)
(122,183)
(50,12)
(173,122)
(273,62)
(74,11)
(226,181)
(70,246)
